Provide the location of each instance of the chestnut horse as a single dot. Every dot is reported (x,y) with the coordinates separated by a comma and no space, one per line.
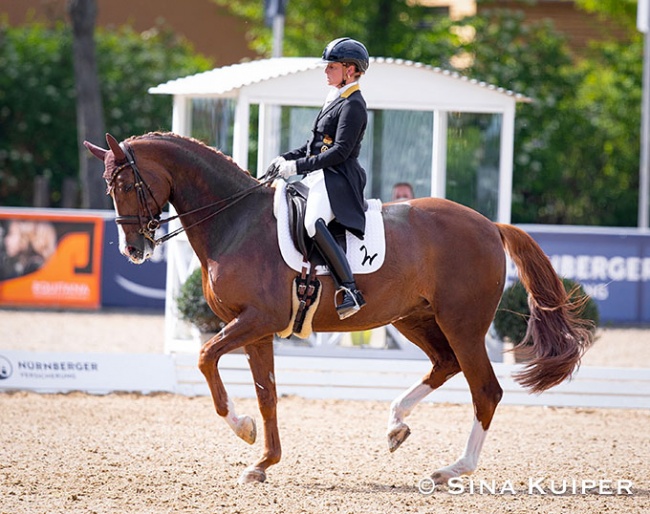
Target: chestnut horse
(440,284)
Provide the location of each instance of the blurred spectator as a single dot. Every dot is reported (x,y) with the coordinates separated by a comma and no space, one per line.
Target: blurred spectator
(402,191)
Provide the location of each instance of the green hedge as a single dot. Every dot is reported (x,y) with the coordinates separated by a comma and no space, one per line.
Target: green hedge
(38,124)
(193,307)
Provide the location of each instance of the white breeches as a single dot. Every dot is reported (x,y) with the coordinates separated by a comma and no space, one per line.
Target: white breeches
(318,203)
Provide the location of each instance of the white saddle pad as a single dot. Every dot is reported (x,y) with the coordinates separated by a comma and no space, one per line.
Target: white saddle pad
(365,256)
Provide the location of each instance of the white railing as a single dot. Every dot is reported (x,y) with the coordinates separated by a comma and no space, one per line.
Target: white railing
(365,378)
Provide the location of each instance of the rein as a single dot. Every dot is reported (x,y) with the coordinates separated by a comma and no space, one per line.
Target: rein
(148,226)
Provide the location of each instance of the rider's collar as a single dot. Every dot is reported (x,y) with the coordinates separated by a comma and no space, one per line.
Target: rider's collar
(346,91)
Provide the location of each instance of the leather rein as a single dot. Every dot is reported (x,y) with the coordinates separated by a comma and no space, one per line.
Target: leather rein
(152,222)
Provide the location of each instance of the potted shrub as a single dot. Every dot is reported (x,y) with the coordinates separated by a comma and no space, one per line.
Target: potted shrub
(511,318)
(193,307)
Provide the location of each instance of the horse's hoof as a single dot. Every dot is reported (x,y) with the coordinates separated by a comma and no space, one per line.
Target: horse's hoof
(441,477)
(459,468)
(397,436)
(252,475)
(246,429)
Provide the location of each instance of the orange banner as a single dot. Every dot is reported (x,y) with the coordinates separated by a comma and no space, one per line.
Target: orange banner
(50,260)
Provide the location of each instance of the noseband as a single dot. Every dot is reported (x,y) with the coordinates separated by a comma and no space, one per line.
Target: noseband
(151,222)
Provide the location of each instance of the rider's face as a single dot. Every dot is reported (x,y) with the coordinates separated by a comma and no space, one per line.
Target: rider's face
(335,72)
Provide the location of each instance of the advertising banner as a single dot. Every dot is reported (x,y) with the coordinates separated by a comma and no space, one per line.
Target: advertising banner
(99,373)
(612,265)
(50,259)
(125,284)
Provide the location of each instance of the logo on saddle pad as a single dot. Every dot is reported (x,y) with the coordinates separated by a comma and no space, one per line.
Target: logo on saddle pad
(365,256)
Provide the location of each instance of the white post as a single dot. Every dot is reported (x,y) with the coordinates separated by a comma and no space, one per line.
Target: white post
(506,157)
(181,116)
(179,253)
(241,132)
(269,136)
(439,157)
(269,123)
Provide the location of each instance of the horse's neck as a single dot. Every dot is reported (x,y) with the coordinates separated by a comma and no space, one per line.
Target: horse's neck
(206,194)
(205,180)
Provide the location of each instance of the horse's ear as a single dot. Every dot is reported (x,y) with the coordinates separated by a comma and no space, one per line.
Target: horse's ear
(95,150)
(115,148)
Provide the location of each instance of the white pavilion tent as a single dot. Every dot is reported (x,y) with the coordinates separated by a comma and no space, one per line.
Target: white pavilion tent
(390,84)
(443,132)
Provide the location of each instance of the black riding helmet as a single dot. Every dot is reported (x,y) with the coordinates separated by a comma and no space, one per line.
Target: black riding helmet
(345,49)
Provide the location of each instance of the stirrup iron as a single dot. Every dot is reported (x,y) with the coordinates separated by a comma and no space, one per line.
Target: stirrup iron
(352,302)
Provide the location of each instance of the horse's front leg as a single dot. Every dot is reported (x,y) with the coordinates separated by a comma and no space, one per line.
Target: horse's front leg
(260,359)
(236,334)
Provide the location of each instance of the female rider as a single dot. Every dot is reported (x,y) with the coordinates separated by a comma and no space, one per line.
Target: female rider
(330,158)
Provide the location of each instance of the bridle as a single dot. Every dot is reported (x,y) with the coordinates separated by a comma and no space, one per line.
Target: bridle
(150,222)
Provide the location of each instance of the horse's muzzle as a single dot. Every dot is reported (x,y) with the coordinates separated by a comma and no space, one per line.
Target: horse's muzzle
(138,255)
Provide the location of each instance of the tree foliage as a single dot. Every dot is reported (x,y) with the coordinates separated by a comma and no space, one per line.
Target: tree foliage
(390,28)
(37,115)
(531,59)
(620,11)
(576,144)
(37,97)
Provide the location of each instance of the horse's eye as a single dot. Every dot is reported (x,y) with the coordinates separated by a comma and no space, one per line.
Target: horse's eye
(127,187)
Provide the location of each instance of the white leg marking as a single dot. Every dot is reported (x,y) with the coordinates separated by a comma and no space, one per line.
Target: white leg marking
(404,404)
(468,461)
(231,418)
(243,426)
(401,407)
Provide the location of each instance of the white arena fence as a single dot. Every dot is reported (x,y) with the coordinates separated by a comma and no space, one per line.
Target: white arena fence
(351,378)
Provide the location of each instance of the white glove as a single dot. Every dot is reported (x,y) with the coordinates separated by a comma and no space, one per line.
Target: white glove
(275,163)
(287,169)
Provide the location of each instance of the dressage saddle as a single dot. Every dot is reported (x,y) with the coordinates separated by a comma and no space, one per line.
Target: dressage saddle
(296,194)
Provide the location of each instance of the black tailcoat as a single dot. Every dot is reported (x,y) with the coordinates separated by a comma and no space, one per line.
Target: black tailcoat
(334,147)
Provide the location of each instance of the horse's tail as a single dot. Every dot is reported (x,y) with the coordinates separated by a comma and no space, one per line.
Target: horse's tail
(558,335)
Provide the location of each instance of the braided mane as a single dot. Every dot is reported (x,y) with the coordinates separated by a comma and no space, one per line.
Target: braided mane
(172,136)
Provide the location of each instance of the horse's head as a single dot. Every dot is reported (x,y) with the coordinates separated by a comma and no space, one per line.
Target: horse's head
(138,196)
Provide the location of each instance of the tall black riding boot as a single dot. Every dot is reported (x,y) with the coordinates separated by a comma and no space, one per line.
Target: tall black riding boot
(337,262)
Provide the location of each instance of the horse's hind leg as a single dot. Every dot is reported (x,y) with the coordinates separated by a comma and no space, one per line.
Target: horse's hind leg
(260,358)
(428,337)
(486,394)
(449,356)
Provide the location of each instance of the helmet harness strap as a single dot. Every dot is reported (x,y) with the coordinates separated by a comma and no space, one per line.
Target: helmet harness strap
(344,81)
